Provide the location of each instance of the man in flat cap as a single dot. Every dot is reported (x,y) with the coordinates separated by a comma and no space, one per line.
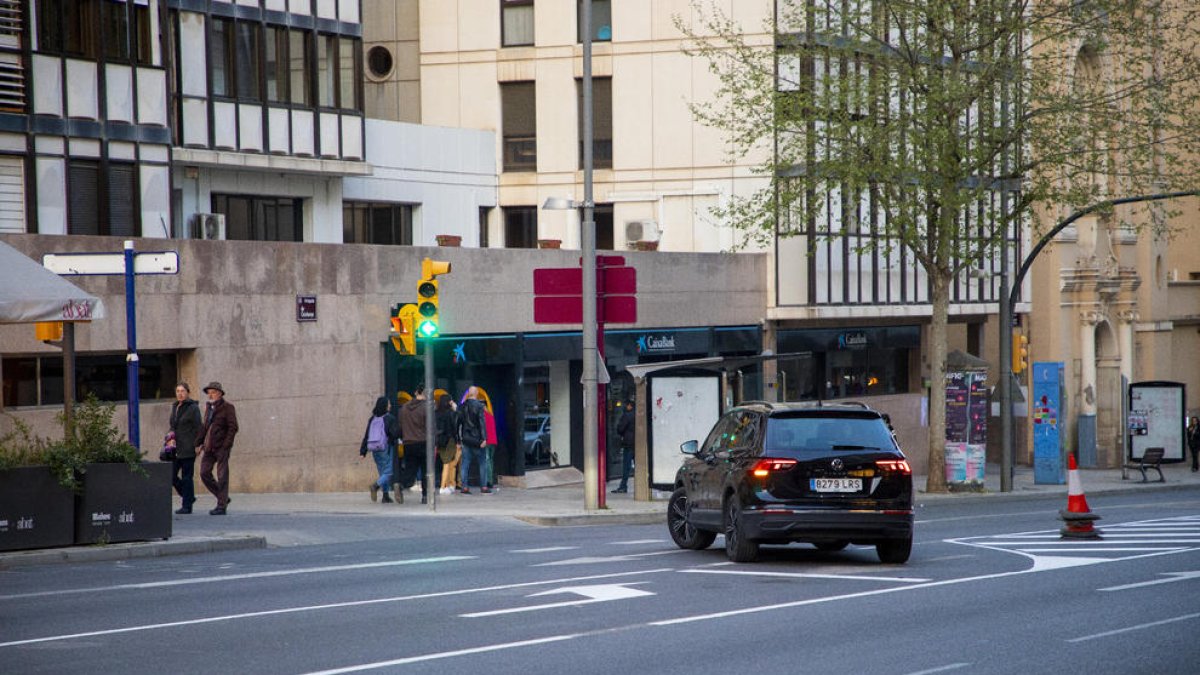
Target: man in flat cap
(214,442)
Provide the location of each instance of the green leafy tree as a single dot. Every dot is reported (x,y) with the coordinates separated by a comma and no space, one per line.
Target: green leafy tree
(938,126)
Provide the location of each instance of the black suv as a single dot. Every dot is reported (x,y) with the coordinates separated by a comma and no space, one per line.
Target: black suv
(772,473)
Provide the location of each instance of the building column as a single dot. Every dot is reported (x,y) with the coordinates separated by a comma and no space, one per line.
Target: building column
(1128,318)
(1086,429)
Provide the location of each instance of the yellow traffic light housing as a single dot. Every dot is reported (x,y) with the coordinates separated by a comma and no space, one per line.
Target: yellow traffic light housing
(427,308)
(403,337)
(48,331)
(1020,353)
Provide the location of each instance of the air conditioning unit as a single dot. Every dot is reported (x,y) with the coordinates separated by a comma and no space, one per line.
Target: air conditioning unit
(642,230)
(208,226)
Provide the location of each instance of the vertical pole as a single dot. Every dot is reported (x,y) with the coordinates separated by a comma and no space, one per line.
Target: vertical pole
(1006,413)
(68,376)
(131,358)
(591,487)
(601,394)
(430,436)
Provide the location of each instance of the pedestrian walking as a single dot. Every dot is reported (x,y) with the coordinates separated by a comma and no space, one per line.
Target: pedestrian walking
(380,440)
(488,475)
(472,433)
(625,428)
(1193,441)
(448,448)
(185,425)
(412,432)
(215,442)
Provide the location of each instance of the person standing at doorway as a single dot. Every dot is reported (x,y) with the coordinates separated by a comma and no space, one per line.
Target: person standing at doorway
(412,432)
(216,442)
(185,423)
(472,432)
(1193,441)
(625,428)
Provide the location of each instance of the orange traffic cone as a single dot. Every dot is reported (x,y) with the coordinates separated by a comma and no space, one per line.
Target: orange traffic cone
(1078,517)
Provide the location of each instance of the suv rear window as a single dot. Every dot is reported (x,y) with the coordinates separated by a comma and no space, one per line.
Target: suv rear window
(798,436)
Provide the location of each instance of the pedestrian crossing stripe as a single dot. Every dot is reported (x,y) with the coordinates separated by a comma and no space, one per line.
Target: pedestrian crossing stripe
(1120,541)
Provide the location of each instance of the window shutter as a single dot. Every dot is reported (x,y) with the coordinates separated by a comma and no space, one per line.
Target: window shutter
(83,189)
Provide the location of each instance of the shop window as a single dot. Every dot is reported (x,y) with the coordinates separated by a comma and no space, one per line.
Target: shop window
(251,218)
(377,223)
(601,20)
(38,380)
(601,122)
(516,23)
(518,101)
(520,227)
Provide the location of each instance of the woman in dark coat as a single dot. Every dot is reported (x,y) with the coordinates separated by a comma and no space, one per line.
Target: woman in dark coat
(185,423)
(449,452)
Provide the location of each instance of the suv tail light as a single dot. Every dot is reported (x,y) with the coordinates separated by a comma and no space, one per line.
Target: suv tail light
(764,467)
(894,466)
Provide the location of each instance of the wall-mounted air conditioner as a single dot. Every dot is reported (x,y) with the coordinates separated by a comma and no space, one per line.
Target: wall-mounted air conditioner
(208,226)
(642,230)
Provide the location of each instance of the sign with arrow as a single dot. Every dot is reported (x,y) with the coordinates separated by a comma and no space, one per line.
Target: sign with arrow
(589,595)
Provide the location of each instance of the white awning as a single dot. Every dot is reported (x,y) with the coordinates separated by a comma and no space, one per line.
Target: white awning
(30,293)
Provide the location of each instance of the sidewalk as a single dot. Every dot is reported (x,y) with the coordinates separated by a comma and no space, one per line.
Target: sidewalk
(546,506)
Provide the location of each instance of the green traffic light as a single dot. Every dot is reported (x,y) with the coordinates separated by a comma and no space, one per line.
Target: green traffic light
(427,329)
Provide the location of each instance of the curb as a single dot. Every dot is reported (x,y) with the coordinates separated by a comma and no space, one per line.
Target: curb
(597,519)
(136,549)
(925,497)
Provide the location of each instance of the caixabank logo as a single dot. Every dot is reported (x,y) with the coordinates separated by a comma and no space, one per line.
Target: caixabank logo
(656,344)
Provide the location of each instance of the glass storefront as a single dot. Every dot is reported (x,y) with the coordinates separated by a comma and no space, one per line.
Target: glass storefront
(846,363)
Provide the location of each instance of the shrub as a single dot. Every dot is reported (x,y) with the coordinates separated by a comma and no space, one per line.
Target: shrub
(19,447)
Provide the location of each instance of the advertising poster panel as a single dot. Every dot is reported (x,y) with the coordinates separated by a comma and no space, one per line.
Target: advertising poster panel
(1156,419)
(1048,416)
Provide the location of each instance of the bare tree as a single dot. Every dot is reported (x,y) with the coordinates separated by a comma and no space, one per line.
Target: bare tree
(939,126)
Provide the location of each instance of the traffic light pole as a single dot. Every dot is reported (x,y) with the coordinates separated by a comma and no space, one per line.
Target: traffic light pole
(592,489)
(430,432)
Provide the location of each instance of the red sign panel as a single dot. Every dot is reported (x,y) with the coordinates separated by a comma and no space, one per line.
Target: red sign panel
(569,280)
(617,280)
(569,309)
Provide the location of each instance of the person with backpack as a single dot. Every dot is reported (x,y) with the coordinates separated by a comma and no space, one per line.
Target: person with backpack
(380,440)
(472,431)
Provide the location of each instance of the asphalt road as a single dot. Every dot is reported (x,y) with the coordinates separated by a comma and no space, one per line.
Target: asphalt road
(991,588)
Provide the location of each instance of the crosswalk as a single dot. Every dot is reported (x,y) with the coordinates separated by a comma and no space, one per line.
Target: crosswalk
(1048,549)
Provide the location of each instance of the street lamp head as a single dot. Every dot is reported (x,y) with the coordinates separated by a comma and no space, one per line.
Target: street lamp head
(563,204)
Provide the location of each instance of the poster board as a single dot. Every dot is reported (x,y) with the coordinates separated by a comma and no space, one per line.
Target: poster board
(966,427)
(681,409)
(1156,419)
(1049,413)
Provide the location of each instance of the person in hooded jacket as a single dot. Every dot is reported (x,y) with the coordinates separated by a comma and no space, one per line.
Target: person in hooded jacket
(385,453)
(185,424)
(412,432)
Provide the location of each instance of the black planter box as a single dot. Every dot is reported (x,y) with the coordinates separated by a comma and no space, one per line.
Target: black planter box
(118,504)
(35,511)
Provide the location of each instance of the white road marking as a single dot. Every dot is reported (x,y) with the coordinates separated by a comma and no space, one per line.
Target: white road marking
(1096,549)
(593,593)
(1173,577)
(334,605)
(548,549)
(591,560)
(637,542)
(941,669)
(1129,629)
(247,575)
(806,575)
(443,655)
(1119,541)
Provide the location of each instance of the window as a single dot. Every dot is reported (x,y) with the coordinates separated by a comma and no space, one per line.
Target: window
(220,57)
(601,20)
(520,227)
(102,202)
(260,218)
(277,65)
(601,122)
(602,214)
(298,64)
(483,225)
(377,223)
(83,193)
(516,23)
(122,216)
(248,66)
(33,380)
(69,27)
(379,61)
(114,18)
(349,73)
(519,117)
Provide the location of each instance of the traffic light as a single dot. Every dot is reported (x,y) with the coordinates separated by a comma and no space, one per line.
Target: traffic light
(428,325)
(403,338)
(1020,352)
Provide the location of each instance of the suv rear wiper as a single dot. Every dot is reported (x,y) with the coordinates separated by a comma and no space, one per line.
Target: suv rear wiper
(853,447)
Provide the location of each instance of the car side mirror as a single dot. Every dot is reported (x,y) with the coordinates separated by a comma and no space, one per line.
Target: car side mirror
(689,447)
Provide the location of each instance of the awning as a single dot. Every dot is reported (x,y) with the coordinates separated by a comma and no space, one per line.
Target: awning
(30,293)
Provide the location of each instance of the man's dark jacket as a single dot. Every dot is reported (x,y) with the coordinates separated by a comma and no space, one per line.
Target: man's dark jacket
(218,431)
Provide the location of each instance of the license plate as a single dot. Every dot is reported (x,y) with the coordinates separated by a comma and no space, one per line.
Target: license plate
(835,484)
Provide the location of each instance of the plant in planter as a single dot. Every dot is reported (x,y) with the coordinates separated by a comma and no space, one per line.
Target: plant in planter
(118,496)
(36,510)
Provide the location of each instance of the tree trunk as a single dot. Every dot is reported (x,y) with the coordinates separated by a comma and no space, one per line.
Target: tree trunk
(940,299)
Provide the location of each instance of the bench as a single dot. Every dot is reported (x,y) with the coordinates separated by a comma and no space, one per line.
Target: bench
(1151,459)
